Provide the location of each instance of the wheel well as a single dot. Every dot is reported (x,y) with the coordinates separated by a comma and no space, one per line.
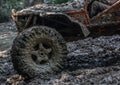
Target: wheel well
(62,23)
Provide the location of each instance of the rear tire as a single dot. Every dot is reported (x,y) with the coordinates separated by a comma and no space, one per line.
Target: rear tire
(39,50)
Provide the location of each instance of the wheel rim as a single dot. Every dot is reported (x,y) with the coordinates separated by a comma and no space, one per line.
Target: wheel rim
(41,51)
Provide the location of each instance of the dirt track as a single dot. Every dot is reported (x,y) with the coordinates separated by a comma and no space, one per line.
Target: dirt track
(89,62)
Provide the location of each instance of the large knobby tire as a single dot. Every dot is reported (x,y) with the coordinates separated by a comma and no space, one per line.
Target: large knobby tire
(39,50)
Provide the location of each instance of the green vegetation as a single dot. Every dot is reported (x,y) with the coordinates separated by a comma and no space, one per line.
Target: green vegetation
(6,6)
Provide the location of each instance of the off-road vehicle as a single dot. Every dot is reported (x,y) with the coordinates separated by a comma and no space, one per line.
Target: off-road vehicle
(40,46)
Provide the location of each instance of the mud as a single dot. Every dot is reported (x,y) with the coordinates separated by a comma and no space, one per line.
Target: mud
(8,32)
(90,53)
(42,8)
(89,61)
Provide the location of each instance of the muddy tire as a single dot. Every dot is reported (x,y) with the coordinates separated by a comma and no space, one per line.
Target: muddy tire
(38,50)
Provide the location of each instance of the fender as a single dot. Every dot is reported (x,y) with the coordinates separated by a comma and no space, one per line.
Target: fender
(68,20)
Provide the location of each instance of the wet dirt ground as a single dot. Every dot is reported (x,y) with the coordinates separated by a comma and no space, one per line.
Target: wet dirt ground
(92,61)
